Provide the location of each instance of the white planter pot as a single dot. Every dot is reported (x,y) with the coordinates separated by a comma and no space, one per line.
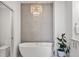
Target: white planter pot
(61,54)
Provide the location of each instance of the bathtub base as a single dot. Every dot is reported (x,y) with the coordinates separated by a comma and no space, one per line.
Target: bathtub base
(36,49)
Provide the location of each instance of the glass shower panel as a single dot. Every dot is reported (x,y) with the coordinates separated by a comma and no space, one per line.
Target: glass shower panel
(5,30)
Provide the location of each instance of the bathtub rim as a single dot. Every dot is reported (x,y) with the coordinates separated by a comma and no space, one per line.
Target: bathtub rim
(30,44)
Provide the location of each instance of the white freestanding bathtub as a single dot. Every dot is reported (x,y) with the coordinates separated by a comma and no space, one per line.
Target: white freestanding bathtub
(36,49)
(4,51)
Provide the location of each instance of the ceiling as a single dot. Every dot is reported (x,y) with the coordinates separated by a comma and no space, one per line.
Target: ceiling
(36,1)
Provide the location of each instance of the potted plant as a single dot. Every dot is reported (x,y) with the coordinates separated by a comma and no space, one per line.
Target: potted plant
(63,49)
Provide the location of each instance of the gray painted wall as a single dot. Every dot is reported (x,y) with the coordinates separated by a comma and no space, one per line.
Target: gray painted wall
(37,28)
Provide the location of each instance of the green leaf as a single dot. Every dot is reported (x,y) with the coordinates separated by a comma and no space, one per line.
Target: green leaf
(59,39)
(61,45)
(63,35)
(64,44)
(64,40)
